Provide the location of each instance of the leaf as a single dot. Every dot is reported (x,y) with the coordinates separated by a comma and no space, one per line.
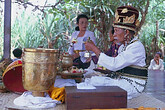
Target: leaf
(66,1)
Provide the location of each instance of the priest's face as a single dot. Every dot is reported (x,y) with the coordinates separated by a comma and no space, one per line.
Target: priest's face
(119,33)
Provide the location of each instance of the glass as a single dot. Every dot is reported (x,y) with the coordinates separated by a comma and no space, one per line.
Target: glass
(87,53)
(95,60)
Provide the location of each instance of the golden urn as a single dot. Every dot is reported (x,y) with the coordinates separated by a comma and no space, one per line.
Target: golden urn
(39,68)
(67,61)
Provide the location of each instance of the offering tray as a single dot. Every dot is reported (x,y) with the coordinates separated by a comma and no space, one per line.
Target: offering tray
(77,76)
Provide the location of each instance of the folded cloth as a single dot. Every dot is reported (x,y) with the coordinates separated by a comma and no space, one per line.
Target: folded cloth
(28,100)
(85,85)
(59,82)
(57,93)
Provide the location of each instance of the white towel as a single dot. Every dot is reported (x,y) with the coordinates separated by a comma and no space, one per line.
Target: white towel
(28,100)
(59,82)
(85,85)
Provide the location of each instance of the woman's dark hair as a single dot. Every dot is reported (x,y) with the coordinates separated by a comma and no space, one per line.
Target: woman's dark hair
(17,52)
(159,53)
(78,18)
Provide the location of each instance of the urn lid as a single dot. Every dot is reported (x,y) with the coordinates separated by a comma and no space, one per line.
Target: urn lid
(41,50)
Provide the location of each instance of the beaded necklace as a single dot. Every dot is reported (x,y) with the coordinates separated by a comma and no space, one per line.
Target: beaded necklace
(124,47)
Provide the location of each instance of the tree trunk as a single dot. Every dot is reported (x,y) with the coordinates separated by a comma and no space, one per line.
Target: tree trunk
(143,13)
(157,32)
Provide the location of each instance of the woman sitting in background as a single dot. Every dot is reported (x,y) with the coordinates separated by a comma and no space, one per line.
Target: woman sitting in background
(157,62)
(77,47)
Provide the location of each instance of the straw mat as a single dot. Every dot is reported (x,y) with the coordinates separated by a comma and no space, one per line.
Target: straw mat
(6,102)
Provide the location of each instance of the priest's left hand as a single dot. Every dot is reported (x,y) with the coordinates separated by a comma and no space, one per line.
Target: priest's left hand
(89,46)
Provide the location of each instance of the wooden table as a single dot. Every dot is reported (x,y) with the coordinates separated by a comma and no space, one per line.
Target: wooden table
(103,97)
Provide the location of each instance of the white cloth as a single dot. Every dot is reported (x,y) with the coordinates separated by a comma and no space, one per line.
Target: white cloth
(59,82)
(134,54)
(80,43)
(28,100)
(133,88)
(84,85)
(154,66)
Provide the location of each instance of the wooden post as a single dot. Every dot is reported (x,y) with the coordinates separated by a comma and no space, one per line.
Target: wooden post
(7,29)
(6,60)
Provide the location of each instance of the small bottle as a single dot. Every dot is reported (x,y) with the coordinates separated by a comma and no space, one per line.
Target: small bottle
(87,53)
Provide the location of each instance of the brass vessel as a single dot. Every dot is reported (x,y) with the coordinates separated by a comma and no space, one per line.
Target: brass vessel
(67,61)
(39,68)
